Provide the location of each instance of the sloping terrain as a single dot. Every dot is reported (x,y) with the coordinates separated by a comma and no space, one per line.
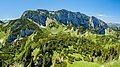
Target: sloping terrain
(26,42)
(66,17)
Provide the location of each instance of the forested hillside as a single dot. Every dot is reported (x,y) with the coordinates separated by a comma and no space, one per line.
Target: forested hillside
(25,43)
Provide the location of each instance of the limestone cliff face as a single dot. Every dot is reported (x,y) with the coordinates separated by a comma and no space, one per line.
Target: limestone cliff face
(24,26)
(66,17)
(20,28)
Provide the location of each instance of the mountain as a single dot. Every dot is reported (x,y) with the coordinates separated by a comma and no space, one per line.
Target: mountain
(31,20)
(19,28)
(114,26)
(1,22)
(66,17)
(60,38)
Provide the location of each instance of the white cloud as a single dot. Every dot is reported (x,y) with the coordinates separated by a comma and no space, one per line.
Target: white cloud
(103,15)
(106,18)
(100,15)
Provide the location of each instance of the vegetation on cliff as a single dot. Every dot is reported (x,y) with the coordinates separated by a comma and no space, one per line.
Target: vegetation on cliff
(55,45)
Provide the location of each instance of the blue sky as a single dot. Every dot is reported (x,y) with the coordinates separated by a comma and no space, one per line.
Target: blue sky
(107,10)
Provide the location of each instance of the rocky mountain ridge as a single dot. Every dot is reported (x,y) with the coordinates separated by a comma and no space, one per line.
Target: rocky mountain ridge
(66,17)
(31,20)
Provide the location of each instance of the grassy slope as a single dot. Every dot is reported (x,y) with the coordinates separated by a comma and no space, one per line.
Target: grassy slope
(58,31)
(83,64)
(93,64)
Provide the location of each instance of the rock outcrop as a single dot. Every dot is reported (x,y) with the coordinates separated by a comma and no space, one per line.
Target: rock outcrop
(25,26)
(66,17)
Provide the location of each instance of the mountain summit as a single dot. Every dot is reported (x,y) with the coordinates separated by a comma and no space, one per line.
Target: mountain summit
(66,17)
(31,20)
(62,38)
